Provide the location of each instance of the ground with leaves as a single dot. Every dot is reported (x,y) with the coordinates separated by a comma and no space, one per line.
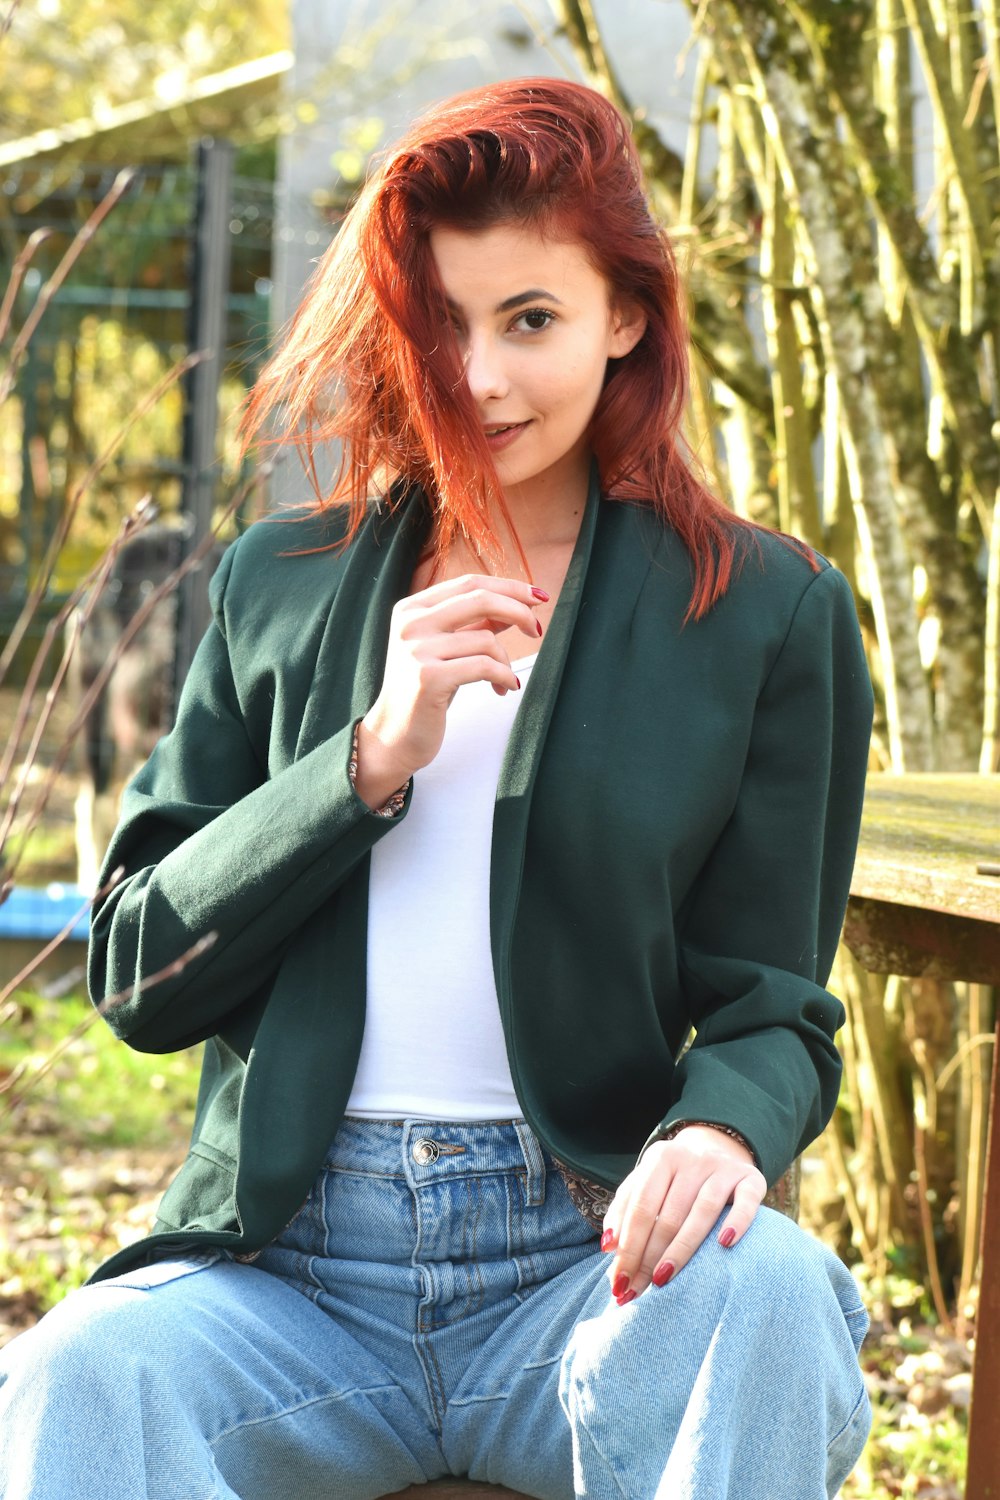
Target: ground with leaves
(91,1143)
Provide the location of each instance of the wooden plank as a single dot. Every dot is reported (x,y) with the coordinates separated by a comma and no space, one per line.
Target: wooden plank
(886,938)
(983,1473)
(924,839)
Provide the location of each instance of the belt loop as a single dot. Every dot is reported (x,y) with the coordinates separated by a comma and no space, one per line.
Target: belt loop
(534,1163)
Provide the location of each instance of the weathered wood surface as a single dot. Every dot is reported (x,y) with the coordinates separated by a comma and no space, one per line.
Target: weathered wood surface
(922,900)
(923,839)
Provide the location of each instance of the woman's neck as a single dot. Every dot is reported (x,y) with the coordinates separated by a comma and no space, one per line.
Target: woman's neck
(545,513)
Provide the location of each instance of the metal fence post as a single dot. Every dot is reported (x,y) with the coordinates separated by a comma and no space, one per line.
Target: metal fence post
(207,332)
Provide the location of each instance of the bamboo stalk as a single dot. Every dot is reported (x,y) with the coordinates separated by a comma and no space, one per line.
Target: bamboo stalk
(833,1137)
(798,505)
(972,1180)
(949,115)
(989,759)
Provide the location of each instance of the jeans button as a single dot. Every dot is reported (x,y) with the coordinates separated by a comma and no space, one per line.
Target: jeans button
(425,1151)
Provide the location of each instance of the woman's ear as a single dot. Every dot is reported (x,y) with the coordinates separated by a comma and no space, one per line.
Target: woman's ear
(628,324)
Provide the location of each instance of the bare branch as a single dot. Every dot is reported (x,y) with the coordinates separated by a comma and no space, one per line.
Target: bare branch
(98,685)
(29,611)
(21,264)
(56,942)
(80,242)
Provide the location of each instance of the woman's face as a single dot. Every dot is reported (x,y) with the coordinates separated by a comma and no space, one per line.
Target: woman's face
(536,327)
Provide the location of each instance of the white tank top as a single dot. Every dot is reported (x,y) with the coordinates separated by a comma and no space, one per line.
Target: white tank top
(433,1045)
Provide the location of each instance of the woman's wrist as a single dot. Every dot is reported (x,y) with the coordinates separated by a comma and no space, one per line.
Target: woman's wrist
(376,782)
(673,1131)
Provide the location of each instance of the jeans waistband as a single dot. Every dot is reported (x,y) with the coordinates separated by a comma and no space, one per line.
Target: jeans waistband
(425,1151)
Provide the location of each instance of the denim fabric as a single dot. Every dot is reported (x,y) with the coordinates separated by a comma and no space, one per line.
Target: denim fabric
(439,1306)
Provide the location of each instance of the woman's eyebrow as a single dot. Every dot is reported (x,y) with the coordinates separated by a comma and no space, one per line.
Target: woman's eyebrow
(532,295)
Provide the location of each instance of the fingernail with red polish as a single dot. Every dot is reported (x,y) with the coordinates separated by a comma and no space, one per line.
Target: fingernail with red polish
(663,1273)
(726,1237)
(620,1285)
(540,594)
(538,626)
(624,1300)
(607,1239)
(518,681)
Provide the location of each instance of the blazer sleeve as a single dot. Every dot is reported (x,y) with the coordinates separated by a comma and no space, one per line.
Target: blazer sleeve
(211,846)
(760,929)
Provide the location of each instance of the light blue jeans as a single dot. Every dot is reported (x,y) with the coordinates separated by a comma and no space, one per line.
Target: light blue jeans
(439,1306)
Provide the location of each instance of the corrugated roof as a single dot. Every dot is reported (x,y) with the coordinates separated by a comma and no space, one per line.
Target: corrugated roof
(162,127)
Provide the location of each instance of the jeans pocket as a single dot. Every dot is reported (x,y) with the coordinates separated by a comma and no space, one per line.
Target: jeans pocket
(160,1272)
(858,1322)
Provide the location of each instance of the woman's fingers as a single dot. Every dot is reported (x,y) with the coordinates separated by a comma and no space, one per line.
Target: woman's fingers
(445,677)
(494,609)
(746,1200)
(468,583)
(440,639)
(669,1205)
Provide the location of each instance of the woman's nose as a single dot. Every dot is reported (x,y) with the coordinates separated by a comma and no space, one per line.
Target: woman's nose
(484,369)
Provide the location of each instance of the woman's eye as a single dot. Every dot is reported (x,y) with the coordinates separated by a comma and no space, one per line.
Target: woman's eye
(536,318)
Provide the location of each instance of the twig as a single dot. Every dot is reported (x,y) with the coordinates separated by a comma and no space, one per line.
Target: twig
(55,546)
(80,242)
(50,947)
(8,19)
(923,1202)
(168,972)
(983,1039)
(36,238)
(89,585)
(98,685)
(15,1100)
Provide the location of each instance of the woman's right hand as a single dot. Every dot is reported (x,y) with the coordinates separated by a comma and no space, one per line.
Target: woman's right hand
(439,639)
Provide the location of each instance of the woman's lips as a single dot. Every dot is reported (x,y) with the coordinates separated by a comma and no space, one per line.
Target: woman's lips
(498,437)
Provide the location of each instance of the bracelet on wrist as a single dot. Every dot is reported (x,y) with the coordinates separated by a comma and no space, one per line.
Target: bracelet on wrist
(393,804)
(675,1129)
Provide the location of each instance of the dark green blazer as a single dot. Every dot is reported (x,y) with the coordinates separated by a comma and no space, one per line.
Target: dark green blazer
(675,826)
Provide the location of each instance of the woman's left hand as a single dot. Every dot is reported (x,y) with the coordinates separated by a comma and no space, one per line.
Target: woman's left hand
(670,1202)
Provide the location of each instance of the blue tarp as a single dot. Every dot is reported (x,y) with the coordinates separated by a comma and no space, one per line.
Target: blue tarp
(42,913)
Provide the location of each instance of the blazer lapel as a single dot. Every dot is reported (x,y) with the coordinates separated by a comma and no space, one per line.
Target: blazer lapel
(524,748)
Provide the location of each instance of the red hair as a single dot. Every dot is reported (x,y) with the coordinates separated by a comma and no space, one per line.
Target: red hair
(368,361)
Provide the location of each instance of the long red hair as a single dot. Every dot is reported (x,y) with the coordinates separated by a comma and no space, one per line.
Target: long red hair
(369,362)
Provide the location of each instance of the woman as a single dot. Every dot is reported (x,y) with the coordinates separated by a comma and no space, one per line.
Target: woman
(485,793)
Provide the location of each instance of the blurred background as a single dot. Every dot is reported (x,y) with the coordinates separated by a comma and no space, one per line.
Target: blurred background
(169,175)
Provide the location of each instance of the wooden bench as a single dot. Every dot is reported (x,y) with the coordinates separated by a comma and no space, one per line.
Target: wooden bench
(925,902)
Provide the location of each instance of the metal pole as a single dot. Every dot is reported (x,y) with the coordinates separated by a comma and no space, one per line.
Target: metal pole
(207,335)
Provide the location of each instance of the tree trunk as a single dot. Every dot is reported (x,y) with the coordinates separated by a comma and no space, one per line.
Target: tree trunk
(758,38)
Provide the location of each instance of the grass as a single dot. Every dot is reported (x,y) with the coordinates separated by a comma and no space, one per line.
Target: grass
(89,1142)
(99,1093)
